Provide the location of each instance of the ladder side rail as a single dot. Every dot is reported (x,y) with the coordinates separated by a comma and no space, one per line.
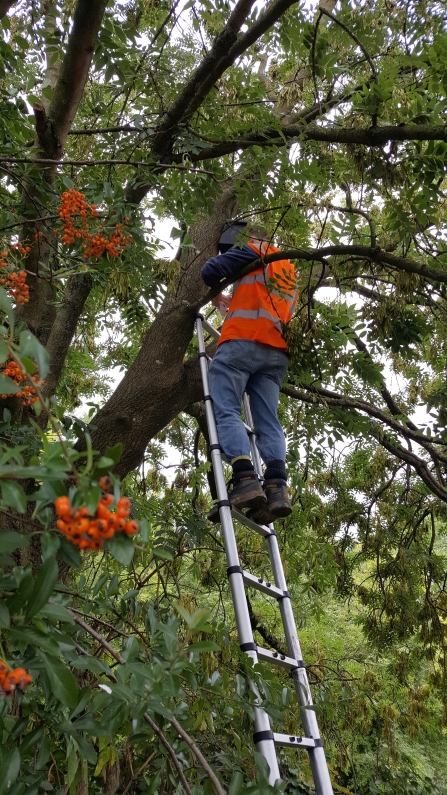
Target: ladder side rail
(320,771)
(317,756)
(265,745)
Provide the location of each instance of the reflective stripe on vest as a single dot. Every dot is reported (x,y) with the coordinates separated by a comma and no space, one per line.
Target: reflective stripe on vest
(258,311)
(259,277)
(255,314)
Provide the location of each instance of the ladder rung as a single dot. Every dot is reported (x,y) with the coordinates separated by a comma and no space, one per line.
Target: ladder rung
(295,742)
(262,529)
(249,429)
(210,329)
(262,585)
(278,659)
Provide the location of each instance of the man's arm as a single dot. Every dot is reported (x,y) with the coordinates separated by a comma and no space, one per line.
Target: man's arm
(220,268)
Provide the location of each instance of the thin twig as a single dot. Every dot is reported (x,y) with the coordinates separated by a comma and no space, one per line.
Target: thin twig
(135,775)
(198,754)
(169,749)
(155,166)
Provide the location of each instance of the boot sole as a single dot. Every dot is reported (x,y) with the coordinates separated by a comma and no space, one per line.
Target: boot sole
(256,500)
(280,511)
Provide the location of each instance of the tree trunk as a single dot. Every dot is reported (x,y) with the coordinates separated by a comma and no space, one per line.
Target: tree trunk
(159,384)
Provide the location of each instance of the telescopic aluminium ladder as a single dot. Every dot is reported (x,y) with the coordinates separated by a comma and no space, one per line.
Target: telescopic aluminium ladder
(264,738)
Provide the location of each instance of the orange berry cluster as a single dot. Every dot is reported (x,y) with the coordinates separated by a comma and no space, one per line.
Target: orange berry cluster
(88,532)
(73,204)
(15,282)
(27,392)
(9,680)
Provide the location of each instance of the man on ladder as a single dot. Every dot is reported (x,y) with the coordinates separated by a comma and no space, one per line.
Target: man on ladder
(251,357)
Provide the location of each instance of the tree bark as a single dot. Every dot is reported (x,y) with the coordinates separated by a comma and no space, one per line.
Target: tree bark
(5,5)
(159,384)
(64,326)
(53,122)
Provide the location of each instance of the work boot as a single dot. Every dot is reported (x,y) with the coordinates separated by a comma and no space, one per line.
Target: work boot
(278,504)
(247,492)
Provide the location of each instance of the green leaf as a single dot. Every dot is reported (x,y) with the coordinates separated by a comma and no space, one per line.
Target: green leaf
(9,541)
(57,613)
(8,386)
(70,554)
(203,645)
(122,548)
(3,351)
(162,553)
(50,544)
(236,783)
(63,683)
(92,498)
(92,664)
(10,769)
(13,495)
(4,615)
(145,529)
(131,649)
(6,306)
(30,346)
(43,587)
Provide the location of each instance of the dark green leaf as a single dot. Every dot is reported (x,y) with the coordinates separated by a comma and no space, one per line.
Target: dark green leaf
(43,587)
(63,683)
(122,548)
(9,541)
(13,495)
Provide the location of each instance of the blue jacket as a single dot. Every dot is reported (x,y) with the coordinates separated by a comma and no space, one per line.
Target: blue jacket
(220,268)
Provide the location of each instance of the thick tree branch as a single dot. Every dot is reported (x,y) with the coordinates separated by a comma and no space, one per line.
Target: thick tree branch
(371,136)
(5,5)
(227,47)
(64,326)
(376,430)
(344,401)
(75,67)
(376,255)
(201,82)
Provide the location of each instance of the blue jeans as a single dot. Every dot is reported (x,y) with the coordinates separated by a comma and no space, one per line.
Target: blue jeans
(243,365)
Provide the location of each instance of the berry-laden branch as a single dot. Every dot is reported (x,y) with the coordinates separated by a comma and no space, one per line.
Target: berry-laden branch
(10,680)
(89,531)
(75,213)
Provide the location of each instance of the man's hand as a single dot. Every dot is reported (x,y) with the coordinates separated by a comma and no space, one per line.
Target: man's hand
(222,303)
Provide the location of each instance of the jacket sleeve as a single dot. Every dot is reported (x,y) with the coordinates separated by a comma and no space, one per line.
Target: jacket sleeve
(220,268)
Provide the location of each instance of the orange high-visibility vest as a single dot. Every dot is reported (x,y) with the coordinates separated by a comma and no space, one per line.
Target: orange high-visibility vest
(262,302)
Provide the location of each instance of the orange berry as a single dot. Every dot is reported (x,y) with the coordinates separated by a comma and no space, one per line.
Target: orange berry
(105,482)
(131,528)
(62,505)
(123,503)
(102,512)
(120,524)
(106,499)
